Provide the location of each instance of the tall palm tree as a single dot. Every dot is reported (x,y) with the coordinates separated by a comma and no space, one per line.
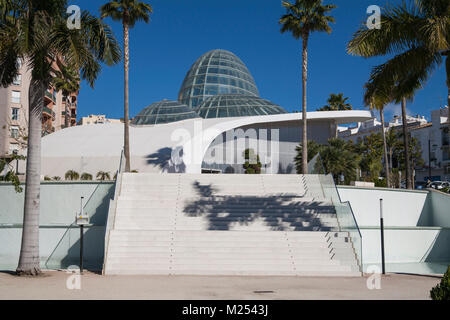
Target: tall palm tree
(36,32)
(377,99)
(417,32)
(301,19)
(128,12)
(336,102)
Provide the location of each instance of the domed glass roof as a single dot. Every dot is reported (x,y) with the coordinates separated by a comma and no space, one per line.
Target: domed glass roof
(216,72)
(223,106)
(164,112)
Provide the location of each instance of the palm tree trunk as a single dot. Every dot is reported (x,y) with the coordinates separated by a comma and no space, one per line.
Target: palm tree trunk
(406,145)
(29,262)
(386,161)
(447,67)
(304,83)
(67,117)
(126,104)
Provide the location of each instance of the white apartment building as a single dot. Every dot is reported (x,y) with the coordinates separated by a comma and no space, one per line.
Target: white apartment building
(96,119)
(434,140)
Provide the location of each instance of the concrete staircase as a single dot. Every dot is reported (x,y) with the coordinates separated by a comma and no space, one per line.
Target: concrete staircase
(174,224)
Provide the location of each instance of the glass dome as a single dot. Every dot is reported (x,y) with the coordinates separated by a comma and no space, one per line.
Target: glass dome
(223,106)
(216,72)
(164,112)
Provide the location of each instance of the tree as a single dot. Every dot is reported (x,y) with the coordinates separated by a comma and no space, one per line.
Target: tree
(103,175)
(338,158)
(417,33)
(370,150)
(377,98)
(301,19)
(128,12)
(441,292)
(71,175)
(11,176)
(86,176)
(313,149)
(36,32)
(252,163)
(336,102)
(66,80)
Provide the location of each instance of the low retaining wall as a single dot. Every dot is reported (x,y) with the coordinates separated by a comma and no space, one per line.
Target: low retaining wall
(59,237)
(417,228)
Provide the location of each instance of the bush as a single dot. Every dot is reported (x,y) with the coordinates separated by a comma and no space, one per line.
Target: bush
(442,290)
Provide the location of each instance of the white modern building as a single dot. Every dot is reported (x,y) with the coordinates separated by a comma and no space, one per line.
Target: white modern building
(371,126)
(434,141)
(219,114)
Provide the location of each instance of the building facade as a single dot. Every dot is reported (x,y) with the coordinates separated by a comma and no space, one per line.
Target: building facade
(219,115)
(434,141)
(14,103)
(96,119)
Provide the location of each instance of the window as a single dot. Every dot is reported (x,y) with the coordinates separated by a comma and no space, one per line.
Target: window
(15,132)
(15,114)
(15,96)
(18,80)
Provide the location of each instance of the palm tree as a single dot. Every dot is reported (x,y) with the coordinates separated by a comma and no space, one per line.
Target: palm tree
(72,175)
(336,102)
(418,33)
(102,176)
(66,80)
(36,32)
(377,99)
(86,176)
(128,12)
(301,19)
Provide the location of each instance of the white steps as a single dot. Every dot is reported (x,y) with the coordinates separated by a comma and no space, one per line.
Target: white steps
(177,224)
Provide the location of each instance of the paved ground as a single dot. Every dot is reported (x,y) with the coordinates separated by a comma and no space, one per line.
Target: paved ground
(52,285)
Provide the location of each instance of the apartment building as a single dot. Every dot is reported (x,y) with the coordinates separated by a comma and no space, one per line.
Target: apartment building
(14,112)
(435,142)
(97,119)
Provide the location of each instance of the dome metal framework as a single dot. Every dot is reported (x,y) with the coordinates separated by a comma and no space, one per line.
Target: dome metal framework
(222,106)
(164,112)
(216,72)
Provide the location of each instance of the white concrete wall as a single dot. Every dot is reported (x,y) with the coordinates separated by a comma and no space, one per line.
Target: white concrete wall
(417,233)
(401,207)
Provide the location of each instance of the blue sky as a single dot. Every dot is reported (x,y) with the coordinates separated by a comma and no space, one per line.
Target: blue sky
(180,31)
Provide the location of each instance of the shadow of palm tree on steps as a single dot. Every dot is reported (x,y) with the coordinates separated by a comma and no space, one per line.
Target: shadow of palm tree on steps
(276,212)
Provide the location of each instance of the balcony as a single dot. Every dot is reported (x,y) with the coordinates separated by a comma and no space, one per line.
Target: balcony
(49,96)
(49,113)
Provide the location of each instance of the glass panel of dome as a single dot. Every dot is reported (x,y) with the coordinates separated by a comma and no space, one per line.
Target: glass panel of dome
(200,80)
(198,91)
(213,70)
(222,113)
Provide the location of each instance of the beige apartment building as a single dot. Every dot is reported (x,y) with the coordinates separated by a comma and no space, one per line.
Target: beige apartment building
(97,119)
(14,113)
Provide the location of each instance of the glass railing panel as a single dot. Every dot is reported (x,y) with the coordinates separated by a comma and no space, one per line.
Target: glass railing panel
(67,252)
(344,213)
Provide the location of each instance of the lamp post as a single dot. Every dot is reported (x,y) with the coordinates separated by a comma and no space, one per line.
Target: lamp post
(382,237)
(82,220)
